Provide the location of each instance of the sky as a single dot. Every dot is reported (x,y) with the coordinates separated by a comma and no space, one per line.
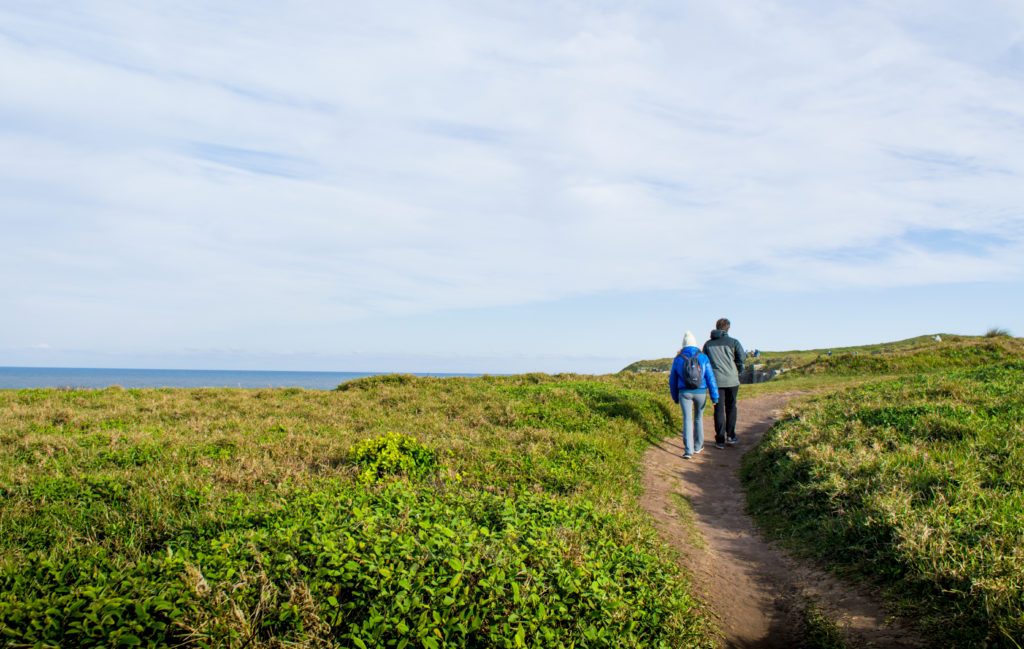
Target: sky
(456,186)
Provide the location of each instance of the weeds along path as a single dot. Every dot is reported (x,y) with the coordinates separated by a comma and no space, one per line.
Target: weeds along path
(763,596)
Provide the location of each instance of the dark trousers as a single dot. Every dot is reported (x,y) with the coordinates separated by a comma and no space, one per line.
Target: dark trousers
(725,414)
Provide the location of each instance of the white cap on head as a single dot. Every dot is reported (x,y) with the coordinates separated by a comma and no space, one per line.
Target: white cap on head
(689,340)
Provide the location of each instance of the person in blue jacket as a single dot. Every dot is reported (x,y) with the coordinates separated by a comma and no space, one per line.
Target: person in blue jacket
(692,400)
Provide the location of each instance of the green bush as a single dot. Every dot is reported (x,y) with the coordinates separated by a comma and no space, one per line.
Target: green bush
(390,454)
(400,566)
(377,381)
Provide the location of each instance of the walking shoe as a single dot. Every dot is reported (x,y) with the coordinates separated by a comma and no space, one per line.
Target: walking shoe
(731,440)
(698,450)
(687,456)
(719,445)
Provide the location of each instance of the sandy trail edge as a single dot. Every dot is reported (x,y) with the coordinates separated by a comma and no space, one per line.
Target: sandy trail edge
(758,590)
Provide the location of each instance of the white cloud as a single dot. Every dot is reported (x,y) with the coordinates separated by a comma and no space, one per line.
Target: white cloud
(319,162)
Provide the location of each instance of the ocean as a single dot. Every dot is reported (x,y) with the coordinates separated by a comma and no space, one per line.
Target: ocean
(98,378)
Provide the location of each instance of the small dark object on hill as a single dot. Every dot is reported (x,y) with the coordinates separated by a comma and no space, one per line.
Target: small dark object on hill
(995,332)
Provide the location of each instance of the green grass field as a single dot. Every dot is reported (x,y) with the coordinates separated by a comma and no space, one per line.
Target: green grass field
(802,358)
(396,511)
(914,481)
(496,511)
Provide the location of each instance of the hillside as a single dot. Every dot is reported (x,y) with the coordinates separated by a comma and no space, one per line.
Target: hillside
(791,359)
(912,477)
(395,511)
(497,511)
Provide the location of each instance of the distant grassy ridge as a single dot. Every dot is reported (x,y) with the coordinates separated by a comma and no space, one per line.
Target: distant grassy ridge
(769,360)
(928,356)
(396,511)
(915,481)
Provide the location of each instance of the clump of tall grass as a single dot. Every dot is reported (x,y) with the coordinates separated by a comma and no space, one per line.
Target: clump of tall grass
(996,332)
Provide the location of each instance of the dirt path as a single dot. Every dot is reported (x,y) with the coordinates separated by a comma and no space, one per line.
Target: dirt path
(757,589)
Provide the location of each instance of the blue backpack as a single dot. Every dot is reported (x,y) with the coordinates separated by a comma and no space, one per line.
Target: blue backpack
(693,373)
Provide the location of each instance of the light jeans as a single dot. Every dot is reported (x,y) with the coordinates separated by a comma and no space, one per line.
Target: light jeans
(693,424)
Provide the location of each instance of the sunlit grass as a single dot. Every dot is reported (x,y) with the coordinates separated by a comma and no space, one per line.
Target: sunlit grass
(222,517)
(916,482)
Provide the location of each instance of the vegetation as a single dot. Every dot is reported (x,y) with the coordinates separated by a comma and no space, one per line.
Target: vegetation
(800,358)
(396,511)
(497,511)
(796,359)
(927,357)
(914,480)
(657,365)
(819,630)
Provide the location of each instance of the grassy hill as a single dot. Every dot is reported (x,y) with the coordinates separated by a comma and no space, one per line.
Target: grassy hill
(495,511)
(913,479)
(769,360)
(396,511)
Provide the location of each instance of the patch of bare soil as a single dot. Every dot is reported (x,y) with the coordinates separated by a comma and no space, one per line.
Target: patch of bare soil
(758,590)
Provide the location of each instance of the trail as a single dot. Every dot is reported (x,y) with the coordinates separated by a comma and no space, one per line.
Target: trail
(758,590)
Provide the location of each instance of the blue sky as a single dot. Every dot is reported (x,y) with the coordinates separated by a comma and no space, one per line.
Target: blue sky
(502,187)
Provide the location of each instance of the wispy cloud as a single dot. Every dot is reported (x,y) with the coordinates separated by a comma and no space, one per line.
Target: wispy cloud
(318,162)
(260,162)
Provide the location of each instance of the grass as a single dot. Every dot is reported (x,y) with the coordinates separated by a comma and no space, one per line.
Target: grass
(396,511)
(802,358)
(686,515)
(819,631)
(928,357)
(496,511)
(914,480)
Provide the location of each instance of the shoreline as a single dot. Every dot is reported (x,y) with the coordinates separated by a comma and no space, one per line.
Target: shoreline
(80,378)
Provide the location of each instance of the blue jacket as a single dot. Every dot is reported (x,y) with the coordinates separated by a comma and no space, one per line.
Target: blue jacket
(675,377)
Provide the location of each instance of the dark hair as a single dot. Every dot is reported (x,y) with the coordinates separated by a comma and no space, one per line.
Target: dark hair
(723,324)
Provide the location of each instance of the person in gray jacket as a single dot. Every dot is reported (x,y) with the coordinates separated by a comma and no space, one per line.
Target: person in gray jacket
(726,356)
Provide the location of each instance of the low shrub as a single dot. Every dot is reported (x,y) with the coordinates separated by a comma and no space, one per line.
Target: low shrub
(344,566)
(380,380)
(391,454)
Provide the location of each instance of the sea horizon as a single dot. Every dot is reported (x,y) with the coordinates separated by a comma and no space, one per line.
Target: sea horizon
(92,378)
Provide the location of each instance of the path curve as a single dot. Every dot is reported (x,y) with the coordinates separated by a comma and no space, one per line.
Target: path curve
(759,591)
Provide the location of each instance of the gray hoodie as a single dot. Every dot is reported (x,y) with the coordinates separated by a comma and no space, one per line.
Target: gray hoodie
(726,356)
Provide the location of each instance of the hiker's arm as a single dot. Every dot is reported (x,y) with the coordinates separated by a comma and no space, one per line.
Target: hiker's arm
(673,383)
(709,379)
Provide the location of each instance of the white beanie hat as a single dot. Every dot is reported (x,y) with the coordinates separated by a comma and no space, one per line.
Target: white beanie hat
(689,340)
